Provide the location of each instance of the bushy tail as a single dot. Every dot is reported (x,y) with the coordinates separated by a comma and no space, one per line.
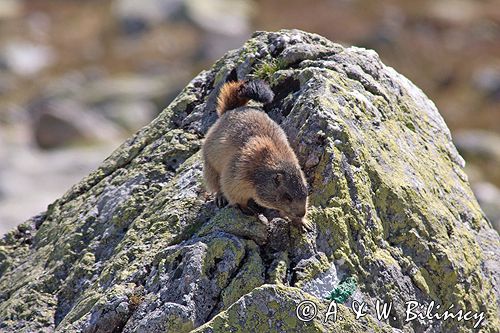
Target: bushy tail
(237,93)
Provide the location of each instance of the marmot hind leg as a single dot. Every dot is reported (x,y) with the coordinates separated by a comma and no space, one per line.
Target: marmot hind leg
(211,176)
(212,183)
(237,192)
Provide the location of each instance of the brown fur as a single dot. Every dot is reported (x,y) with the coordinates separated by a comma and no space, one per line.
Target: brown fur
(247,156)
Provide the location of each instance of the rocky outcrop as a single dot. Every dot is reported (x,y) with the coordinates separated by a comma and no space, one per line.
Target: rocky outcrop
(137,246)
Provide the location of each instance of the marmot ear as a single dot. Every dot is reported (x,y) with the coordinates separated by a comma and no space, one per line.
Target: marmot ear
(233,76)
(278,179)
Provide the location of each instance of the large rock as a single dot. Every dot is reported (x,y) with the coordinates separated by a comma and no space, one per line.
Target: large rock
(137,246)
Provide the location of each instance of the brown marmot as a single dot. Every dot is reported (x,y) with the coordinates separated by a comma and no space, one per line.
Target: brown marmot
(247,155)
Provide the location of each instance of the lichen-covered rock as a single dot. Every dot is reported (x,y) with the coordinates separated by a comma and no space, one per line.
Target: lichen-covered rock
(272,308)
(138,246)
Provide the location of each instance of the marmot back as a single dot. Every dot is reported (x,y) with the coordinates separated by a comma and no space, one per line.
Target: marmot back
(247,155)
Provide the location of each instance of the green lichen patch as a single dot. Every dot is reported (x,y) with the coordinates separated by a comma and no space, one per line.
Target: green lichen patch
(343,291)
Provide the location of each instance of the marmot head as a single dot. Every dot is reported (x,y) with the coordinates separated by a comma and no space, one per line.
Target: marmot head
(283,188)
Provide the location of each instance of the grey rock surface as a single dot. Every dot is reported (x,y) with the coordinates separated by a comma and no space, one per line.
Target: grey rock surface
(138,246)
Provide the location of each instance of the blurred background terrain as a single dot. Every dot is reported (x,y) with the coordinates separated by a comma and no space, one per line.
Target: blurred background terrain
(78,77)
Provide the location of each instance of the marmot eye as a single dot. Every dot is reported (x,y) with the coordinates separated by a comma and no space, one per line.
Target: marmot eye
(287,197)
(278,179)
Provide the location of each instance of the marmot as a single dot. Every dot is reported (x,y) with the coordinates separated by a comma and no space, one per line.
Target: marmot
(247,155)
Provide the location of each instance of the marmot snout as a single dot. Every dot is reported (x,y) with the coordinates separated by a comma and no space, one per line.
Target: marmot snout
(282,190)
(247,155)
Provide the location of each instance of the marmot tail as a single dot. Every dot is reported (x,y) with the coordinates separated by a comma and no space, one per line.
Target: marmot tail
(237,93)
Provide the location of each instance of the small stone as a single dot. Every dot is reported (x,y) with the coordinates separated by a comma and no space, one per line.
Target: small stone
(295,39)
(312,161)
(26,58)
(137,17)
(122,308)
(487,80)
(284,40)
